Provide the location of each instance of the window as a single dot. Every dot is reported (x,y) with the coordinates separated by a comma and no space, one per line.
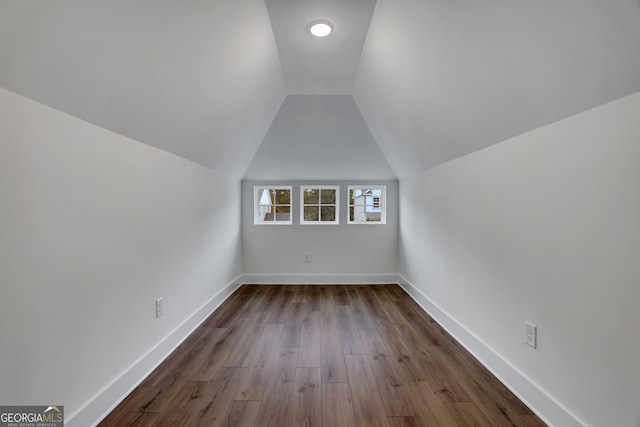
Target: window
(272,205)
(319,204)
(367,204)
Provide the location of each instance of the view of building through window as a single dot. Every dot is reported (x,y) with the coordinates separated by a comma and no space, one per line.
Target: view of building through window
(366,205)
(320,204)
(272,205)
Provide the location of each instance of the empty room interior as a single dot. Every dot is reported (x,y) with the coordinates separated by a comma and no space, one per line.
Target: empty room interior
(428,216)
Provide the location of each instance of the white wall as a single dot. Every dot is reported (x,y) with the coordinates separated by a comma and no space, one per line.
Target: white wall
(542,227)
(319,137)
(94,227)
(339,253)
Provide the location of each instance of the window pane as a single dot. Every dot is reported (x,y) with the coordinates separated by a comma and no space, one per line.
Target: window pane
(357,195)
(282,197)
(311,196)
(272,205)
(328,213)
(373,217)
(358,214)
(311,213)
(283,213)
(319,204)
(267,213)
(266,198)
(328,197)
(367,204)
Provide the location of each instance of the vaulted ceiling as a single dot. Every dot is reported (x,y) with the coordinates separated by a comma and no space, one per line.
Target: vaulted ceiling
(318,137)
(423,81)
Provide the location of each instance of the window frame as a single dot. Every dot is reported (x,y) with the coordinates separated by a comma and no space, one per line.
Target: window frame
(257,195)
(382,208)
(303,188)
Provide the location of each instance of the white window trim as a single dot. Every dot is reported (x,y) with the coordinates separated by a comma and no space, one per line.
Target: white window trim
(257,191)
(383,204)
(319,187)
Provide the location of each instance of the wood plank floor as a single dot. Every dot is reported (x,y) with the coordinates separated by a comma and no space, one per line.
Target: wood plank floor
(328,356)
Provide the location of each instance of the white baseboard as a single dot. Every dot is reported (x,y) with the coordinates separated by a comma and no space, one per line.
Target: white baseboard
(319,279)
(110,396)
(538,400)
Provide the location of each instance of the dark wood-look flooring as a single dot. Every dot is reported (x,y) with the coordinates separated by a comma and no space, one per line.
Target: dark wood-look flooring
(328,356)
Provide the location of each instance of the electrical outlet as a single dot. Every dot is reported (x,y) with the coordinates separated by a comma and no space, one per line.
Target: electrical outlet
(531,335)
(159,307)
(307,257)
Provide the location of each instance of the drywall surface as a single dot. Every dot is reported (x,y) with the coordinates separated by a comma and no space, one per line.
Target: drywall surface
(192,78)
(319,137)
(338,252)
(440,79)
(544,228)
(94,228)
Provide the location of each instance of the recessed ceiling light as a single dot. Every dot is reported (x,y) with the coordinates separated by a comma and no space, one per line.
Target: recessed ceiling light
(321,28)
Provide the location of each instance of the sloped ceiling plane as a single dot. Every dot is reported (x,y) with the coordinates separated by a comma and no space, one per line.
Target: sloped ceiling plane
(421,82)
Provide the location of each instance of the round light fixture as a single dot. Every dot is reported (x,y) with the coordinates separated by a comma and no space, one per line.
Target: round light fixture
(321,28)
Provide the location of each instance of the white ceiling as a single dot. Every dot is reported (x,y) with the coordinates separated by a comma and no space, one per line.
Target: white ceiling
(200,79)
(439,79)
(314,65)
(433,79)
